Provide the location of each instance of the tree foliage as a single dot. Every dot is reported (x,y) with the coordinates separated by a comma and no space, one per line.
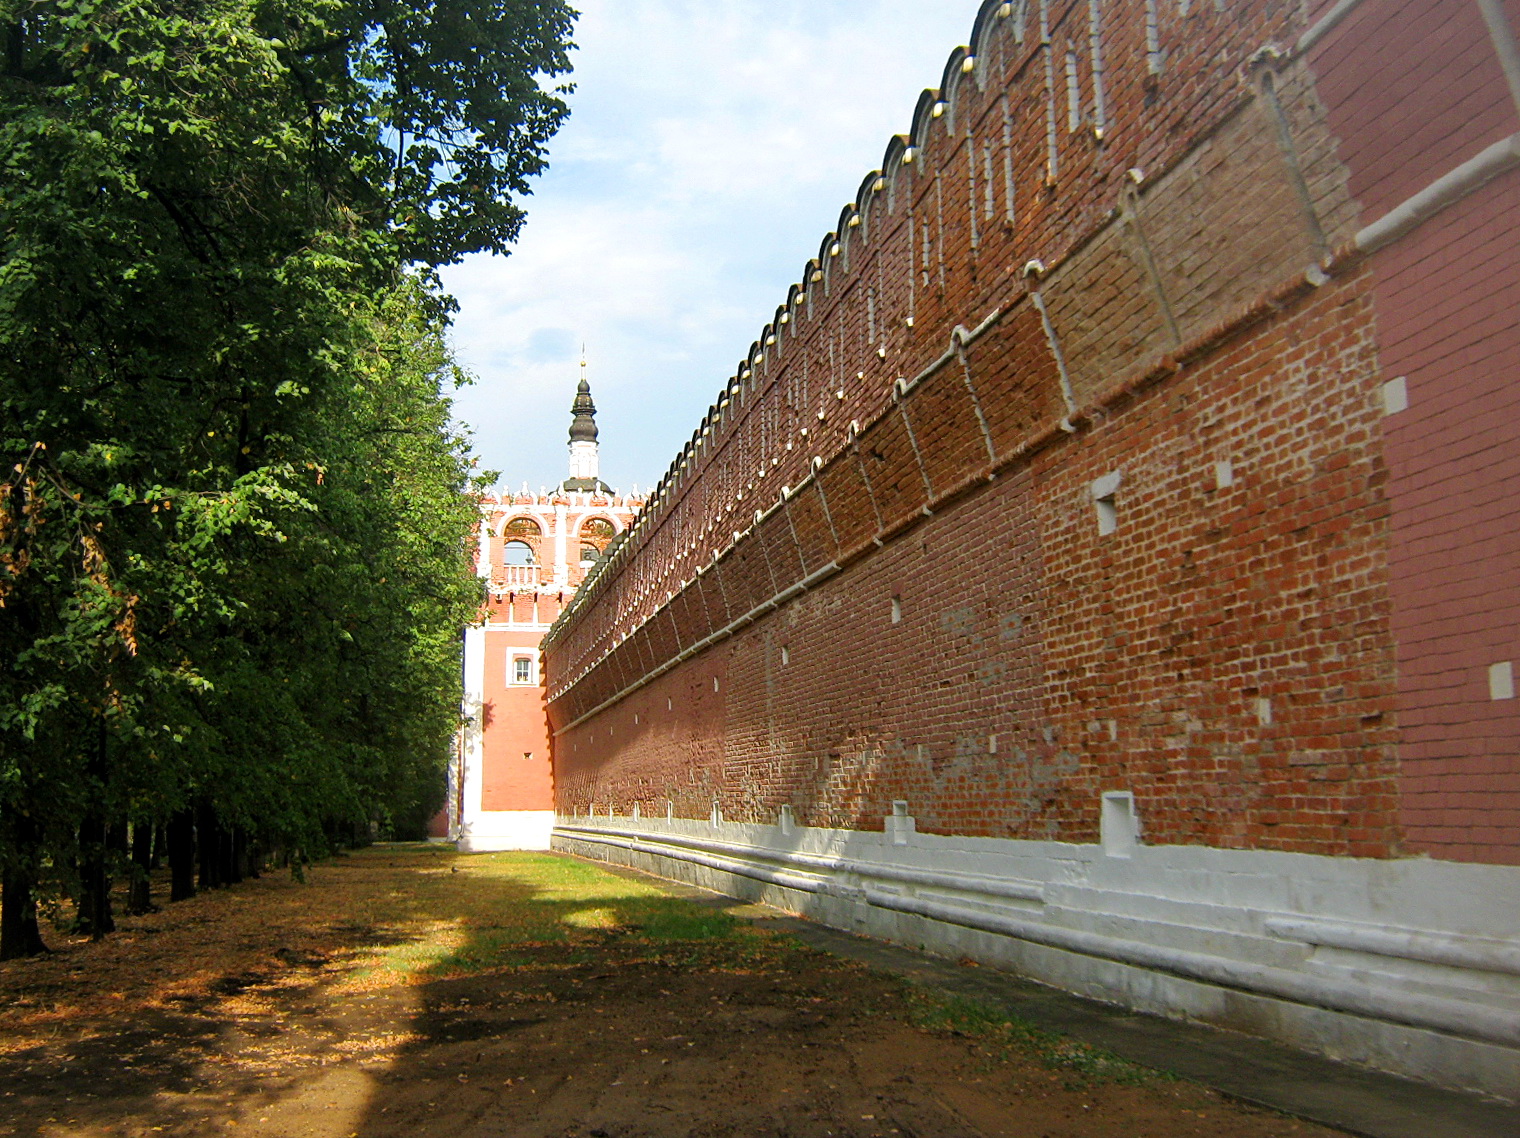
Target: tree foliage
(232,506)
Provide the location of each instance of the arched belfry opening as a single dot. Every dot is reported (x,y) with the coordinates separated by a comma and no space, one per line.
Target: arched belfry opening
(522,539)
(596,534)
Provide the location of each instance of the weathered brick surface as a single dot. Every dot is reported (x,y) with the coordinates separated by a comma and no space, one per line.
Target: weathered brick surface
(812,527)
(1278,610)
(1225,222)
(1451,327)
(1108,312)
(854,513)
(1096,663)
(886,455)
(947,429)
(1414,90)
(1016,378)
(1448,324)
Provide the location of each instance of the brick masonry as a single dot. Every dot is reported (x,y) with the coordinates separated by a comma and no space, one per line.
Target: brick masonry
(1143,523)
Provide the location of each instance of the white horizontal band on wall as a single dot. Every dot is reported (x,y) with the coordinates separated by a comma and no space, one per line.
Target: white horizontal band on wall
(1445,191)
(1475,1021)
(820,875)
(1325,24)
(727,865)
(956,882)
(1481,953)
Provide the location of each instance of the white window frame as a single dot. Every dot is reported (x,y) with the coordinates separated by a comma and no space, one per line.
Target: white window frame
(515,657)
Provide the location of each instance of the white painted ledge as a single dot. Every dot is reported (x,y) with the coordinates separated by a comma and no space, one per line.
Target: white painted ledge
(490,830)
(1408,965)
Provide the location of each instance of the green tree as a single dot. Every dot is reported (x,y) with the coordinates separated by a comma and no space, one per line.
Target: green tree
(230,543)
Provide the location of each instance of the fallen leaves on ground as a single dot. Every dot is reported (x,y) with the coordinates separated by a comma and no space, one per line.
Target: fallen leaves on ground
(411,990)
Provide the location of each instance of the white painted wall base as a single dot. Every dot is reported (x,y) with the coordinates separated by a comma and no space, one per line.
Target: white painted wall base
(1410,966)
(506,830)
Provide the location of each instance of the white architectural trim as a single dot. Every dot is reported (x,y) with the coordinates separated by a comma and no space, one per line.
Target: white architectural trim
(1410,965)
(584,461)
(464,799)
(507,830)
(561,554)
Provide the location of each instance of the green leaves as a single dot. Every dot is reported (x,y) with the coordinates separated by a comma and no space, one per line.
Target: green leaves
(233,506)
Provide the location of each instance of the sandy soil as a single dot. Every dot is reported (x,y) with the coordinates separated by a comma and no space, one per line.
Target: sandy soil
(411,991)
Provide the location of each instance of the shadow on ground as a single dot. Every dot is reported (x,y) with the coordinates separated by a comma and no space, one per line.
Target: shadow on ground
(412,991)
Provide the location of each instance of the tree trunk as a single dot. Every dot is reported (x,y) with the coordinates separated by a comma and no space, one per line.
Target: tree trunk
(94,917)
(229,866)
(95,841)
(253,857)
(180,839)
(19,934)
(208,833)
(118,838)
(140,893)
(239,853)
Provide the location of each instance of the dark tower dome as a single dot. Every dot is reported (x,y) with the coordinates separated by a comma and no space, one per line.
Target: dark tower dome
(583,447)
(583,426)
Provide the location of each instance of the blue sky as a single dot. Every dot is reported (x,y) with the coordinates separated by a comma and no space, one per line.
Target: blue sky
(711,145)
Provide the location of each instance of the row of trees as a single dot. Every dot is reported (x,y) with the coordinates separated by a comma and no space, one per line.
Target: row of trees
(233,506)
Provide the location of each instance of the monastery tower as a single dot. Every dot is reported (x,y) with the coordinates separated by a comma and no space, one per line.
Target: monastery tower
(533,552)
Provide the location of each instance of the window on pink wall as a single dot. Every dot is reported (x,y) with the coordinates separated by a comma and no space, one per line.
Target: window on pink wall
(522,669)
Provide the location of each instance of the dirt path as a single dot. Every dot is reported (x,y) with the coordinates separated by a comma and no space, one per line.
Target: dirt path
(411,991)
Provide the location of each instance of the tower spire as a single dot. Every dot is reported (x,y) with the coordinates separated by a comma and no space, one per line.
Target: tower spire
(583,447)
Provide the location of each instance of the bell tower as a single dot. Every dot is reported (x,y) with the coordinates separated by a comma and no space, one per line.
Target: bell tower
(533,552)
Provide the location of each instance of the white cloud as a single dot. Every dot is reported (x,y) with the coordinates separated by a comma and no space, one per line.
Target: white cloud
(709,149)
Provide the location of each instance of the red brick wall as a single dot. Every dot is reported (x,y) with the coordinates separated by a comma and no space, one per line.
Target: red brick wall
(1230,653)
(1412,98)
(1131,661)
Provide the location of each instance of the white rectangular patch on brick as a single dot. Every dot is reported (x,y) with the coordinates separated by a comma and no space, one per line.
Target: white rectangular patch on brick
(1501,680)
